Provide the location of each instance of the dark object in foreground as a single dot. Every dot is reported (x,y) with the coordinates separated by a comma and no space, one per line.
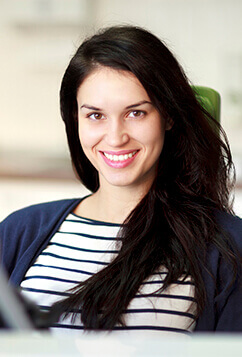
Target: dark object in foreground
(16,312)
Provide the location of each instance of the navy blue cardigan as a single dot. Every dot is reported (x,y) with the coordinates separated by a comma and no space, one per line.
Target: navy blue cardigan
(25,233)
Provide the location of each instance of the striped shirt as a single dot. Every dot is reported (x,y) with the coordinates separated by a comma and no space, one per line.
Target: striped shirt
(80,248)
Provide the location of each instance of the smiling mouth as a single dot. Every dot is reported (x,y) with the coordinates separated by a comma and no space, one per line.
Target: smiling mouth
(119,157)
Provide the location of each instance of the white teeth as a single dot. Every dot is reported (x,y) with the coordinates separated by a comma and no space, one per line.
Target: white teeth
(119,157)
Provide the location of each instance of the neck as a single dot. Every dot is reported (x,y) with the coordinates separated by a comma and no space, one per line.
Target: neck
(117,204)
(112,203)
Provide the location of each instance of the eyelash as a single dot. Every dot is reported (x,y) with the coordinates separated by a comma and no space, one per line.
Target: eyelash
(140,112)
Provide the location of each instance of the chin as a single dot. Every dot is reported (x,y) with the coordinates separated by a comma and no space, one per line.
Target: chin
(120,181)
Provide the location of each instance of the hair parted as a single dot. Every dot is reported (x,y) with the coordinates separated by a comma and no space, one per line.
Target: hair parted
(175,221)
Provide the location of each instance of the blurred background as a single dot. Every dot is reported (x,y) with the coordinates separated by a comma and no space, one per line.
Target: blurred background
(37,40)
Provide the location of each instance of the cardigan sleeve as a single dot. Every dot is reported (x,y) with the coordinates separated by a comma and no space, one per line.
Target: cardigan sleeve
(223,306)
(229,300)
(230,316)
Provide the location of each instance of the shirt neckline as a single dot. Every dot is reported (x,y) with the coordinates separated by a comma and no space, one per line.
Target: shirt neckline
(96,220)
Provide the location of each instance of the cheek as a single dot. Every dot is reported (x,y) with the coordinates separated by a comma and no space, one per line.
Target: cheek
(158,133)
(87,143)
(87,136)
(84,138)
(153,136)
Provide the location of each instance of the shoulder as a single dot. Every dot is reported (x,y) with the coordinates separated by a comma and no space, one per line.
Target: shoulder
(35,216)
(41,209)
(232,226)
(223,256)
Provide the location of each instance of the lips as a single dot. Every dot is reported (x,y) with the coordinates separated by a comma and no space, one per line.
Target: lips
(119,159)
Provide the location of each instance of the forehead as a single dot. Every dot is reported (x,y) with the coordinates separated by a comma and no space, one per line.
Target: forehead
(108,82)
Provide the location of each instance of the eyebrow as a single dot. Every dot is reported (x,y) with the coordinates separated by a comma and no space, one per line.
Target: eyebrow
(87,106)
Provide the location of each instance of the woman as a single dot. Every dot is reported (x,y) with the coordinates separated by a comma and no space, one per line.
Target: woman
(155,246)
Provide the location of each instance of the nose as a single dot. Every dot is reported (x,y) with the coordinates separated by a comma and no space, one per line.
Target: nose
(116,134)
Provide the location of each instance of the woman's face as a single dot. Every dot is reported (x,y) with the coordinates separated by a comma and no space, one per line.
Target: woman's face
(121,132)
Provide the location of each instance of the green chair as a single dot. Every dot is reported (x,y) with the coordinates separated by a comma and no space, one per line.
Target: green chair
(210,100)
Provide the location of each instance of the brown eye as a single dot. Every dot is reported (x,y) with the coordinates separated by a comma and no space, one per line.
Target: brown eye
(96,116)
(136,113)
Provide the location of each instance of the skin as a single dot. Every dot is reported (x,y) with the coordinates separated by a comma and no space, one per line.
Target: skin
(116,117)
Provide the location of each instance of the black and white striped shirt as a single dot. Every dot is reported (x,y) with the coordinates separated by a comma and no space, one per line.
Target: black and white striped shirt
(80,248)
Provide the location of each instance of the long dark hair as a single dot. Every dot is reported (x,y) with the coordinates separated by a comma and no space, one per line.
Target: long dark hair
(175,221)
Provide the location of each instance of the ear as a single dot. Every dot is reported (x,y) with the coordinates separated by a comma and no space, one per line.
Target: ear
(169,124)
